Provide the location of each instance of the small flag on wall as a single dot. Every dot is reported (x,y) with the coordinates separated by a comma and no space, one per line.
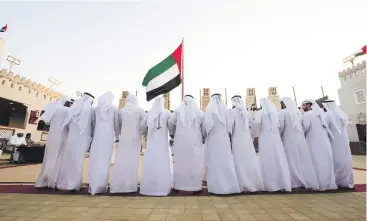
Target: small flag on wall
(3,29)
(362,51)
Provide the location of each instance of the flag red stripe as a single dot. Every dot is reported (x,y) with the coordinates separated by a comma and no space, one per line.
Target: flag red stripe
(177,55)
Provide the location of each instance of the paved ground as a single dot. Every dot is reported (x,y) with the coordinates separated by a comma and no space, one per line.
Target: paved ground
(29,173)
(340,206)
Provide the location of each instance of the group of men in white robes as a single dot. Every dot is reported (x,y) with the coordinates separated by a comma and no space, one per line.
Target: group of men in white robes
(295,150)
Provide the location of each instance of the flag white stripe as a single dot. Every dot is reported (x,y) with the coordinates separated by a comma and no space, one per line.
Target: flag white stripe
(163,78)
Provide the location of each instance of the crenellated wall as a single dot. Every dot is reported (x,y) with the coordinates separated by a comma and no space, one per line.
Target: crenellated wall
(35,96)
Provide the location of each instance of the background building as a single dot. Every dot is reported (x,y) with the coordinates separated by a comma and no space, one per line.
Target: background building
(352,98)
(22,101)
(251,104)
(205,98)
(274,96)
(167,102)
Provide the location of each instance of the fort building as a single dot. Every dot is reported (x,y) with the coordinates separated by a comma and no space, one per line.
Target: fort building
(22,101)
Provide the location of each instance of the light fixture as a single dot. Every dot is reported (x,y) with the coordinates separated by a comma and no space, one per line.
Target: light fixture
(54,81)
(10,102)
(13,60)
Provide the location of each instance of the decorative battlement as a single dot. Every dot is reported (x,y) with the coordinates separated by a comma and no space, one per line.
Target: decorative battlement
(272,91)
(250,92)
(167,102)
(356,70)
(27,83)
(205,98)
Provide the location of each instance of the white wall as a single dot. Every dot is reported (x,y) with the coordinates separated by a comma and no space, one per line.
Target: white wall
(34,99)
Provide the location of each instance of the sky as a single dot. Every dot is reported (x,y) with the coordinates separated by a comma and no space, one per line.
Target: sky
(109,46)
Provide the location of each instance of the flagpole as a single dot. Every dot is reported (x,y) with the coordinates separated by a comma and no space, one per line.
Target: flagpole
(294,95)
(182,72)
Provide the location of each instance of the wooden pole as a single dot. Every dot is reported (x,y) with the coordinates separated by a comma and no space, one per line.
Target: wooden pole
(182,72)
(322,91)
(294,95)
(225,92)
(200,97)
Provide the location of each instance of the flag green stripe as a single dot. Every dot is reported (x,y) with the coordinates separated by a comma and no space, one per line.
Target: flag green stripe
(159,69)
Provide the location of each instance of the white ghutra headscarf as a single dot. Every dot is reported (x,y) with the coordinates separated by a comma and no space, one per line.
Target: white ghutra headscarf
(294,113)
(269,109)
(215,108)
(337,116)
(105,104)
(80,112)
(188,111)
(320,114)
(154,120)
(52,108)
(240,106)
(131,101)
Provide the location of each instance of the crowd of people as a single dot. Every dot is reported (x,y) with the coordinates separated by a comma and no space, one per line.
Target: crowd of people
(309,150)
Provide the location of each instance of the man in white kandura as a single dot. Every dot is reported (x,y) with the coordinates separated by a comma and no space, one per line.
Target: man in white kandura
(318,134)
(54,116)
(245,158)
(340,145)
(124,174)
(156,176)
(106,129)
(273,162)
(18,139)
(80,120)
(295,146)
(186,126)
(221,172)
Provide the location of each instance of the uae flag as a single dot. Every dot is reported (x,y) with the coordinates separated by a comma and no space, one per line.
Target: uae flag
(3,29)
(165,76)
(362,51)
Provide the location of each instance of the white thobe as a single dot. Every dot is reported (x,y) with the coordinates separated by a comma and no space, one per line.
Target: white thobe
(320,149)
(342,156)
(101,150)
(16,141)
(70,174)
(273,162)
(300,164)
(220,169)
(156,177)
(245,158)
(188,150)
(124,174)
(55,147)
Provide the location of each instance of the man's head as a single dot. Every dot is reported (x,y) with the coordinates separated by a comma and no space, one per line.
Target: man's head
(283,105)
(89,95)
(28,136)
(20,134)
(307,106)
(68,103)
